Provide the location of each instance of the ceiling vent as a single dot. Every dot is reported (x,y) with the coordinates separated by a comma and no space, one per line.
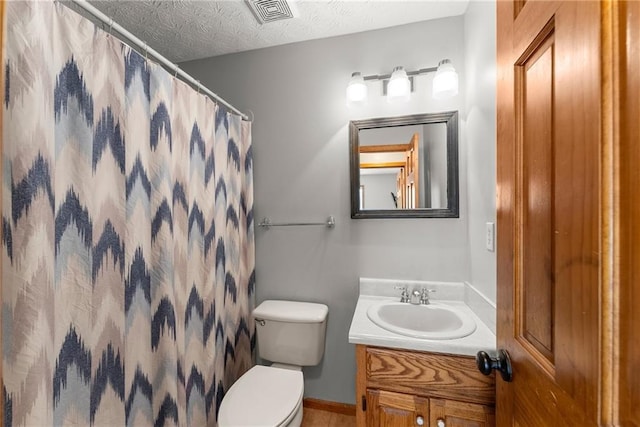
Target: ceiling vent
(270,10)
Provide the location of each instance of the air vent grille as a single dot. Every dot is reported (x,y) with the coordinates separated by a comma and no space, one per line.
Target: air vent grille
(270,10)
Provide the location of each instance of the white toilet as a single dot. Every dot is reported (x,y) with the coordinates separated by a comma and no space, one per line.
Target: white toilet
(290,334)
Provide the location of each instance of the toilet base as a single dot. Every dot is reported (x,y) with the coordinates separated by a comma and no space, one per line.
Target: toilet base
(297,420)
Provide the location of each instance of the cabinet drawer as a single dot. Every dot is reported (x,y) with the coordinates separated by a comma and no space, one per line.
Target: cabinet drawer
(427,374)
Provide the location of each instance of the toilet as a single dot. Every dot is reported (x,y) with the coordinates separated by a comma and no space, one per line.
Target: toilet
(291,335)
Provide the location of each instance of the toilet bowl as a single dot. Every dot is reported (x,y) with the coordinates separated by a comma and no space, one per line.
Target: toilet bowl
(291,334)
(265,396)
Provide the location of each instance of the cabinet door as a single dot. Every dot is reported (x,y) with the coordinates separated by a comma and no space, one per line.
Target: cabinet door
(449,413)
(387,409)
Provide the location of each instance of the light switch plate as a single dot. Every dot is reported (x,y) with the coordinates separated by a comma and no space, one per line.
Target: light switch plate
(490,236)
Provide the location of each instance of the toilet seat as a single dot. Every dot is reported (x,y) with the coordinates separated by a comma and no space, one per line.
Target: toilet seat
(263,396)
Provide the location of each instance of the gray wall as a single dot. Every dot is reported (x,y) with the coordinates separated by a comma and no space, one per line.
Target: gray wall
(378,189)
(480,62)
(301,160)
(394,135)
(435,141)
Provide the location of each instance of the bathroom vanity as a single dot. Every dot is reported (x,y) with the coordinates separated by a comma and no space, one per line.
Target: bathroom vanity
(412,388)
(413,374)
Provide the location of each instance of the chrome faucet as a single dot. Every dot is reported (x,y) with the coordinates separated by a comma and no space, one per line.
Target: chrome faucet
(424,296)
(404,296)
(416,297)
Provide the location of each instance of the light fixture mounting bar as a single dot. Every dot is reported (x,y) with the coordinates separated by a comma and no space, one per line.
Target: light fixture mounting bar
(409,73)
(422,71)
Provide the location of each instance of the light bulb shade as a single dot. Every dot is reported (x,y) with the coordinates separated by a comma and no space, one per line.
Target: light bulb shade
(445,82)
(399,87)
(356,90)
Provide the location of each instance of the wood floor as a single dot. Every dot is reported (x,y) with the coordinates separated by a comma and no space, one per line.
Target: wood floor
(319,418)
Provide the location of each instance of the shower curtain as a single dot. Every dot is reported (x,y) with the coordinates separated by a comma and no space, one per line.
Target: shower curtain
(127,232)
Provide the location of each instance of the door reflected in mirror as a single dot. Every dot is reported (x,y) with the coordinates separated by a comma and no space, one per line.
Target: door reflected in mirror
(405,166)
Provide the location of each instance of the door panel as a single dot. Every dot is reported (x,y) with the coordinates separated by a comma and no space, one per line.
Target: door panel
(549,258)
(534,98)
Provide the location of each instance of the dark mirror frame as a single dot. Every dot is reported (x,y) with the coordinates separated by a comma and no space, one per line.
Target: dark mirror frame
(450,118)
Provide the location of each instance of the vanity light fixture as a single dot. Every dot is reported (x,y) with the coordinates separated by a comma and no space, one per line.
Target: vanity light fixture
(399,84)
(356,90)
(445,82)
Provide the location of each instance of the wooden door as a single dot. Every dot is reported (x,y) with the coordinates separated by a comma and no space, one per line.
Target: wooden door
(412,156)
(401,197)
(450,413)
(553,258)
(627,215)
(387,409)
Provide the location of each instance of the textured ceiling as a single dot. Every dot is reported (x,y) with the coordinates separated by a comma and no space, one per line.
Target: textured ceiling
(183,30)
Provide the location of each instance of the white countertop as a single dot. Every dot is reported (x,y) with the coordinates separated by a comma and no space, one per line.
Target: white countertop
(364,331)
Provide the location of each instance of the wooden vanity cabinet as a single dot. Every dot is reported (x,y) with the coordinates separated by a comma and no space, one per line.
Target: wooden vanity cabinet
(412,388)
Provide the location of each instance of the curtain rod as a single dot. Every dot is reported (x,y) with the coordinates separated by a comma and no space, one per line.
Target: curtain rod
(155,54)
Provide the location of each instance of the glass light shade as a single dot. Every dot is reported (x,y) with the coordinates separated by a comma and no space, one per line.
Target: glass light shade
(445,82)
(356,90)
(399,87)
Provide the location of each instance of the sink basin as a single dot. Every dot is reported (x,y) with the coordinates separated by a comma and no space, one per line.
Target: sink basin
(435,321)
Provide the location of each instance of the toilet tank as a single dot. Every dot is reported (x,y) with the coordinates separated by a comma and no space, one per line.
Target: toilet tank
(291,332)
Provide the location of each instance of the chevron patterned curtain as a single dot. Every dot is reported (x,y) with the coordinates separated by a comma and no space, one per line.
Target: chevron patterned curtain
(127,229)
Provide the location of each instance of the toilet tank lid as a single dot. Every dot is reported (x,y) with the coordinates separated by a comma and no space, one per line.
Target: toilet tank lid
(291,311)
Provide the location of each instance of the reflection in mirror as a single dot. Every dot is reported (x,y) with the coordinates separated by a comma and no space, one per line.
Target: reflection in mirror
(405,166)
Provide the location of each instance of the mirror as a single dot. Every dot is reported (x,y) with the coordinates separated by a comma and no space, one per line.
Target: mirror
(405,167)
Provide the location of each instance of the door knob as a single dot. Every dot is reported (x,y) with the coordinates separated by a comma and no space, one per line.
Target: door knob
(502,363)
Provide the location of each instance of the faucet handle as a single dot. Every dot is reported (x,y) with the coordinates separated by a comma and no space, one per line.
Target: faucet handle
(424,298)
(404,296)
